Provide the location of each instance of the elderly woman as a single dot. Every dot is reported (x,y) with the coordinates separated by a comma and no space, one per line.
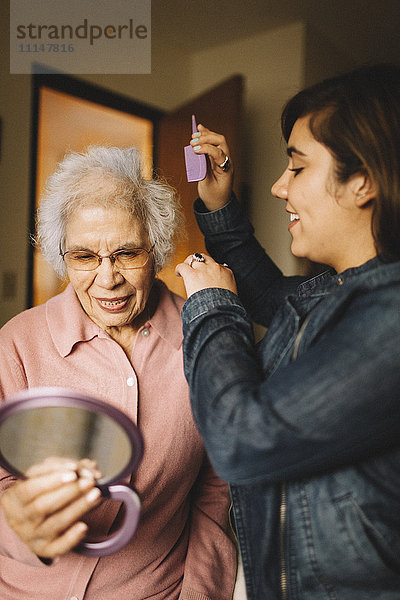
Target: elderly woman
(114,333)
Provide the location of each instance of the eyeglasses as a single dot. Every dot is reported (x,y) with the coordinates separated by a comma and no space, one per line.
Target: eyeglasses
(129,258)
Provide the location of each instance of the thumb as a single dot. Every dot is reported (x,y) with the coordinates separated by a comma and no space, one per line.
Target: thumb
(181,269)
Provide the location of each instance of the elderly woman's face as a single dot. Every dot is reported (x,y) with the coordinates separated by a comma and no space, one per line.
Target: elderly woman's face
(111,297)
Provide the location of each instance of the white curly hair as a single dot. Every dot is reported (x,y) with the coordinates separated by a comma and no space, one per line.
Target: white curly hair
(87,178)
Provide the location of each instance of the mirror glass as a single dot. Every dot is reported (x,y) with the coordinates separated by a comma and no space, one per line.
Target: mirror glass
(30,436)
(40,425)
(51,422)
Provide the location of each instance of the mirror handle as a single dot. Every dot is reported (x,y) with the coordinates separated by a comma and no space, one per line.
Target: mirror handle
(121,537)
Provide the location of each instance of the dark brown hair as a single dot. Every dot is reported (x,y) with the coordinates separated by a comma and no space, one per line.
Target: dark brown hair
(357,117)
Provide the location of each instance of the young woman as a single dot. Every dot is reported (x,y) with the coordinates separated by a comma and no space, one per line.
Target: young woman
(306,426)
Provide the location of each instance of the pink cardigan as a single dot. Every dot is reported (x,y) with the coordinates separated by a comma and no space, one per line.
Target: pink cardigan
(181,549)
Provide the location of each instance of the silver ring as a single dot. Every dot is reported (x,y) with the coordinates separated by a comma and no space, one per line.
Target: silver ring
(196,257)
(226,165)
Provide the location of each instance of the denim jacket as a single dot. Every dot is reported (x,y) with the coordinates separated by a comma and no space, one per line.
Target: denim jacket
(305,426)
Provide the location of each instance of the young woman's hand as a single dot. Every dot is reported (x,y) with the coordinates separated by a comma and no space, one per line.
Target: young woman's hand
(205,274)
(215,190)
(45,509)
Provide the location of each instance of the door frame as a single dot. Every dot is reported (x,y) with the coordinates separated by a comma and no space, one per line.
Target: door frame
(86,91)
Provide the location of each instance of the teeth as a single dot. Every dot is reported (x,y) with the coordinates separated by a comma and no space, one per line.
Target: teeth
(294,217)
(111,302)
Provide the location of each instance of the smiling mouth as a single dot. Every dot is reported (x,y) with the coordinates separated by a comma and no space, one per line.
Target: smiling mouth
(294,218)
(113,305)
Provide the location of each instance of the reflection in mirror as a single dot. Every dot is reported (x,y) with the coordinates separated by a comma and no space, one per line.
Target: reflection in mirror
(29,437)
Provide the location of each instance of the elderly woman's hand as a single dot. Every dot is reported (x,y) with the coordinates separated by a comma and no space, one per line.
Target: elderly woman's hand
(199,275)
(215,190)
(45,509)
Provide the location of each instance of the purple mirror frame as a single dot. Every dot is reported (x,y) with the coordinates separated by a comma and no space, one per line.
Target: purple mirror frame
(42,397)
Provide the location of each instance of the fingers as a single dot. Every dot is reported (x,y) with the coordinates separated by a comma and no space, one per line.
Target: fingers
(29,489)
(184,269)
(207,260)
(51,501)
(201,275)
(216,189)
(210,137)
(63,544)
(84,467)
(45,509)
(88,468)
(50,464)
(212,144)
(52,526)
(35,500)
(61,532)
(190,260)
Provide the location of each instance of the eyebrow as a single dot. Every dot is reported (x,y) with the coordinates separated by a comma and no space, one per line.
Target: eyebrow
(293,150)
(85,249)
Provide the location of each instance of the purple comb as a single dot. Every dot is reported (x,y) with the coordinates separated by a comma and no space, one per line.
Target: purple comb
(196,164)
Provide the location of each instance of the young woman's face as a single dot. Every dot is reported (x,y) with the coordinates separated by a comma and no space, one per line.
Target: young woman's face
(111,297)
(326,224)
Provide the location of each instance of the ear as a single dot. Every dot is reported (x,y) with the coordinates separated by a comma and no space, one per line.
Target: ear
(364,189)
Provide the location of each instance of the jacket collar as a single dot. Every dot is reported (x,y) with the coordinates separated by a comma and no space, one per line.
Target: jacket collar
(69,324)
(373,273)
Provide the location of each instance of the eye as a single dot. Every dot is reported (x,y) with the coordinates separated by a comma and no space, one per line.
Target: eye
(82,256)
(296,171)
(129,253)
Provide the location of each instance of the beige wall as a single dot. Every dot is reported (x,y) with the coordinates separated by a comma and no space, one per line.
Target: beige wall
(15,112)
(273,65)
(164,89)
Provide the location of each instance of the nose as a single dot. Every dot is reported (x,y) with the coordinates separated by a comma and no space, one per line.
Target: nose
(107,274)
(280,187)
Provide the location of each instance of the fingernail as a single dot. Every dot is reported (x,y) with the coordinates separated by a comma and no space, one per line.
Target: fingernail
(83,472)
(69,476)
(93,495)
(197,134)
(71,466)
(81,527)
(197,148)
(85,483)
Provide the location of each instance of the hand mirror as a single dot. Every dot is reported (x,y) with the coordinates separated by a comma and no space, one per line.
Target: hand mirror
(55,422)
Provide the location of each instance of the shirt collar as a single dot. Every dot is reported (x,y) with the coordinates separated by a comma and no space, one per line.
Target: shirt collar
(69,324)
(167,318)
